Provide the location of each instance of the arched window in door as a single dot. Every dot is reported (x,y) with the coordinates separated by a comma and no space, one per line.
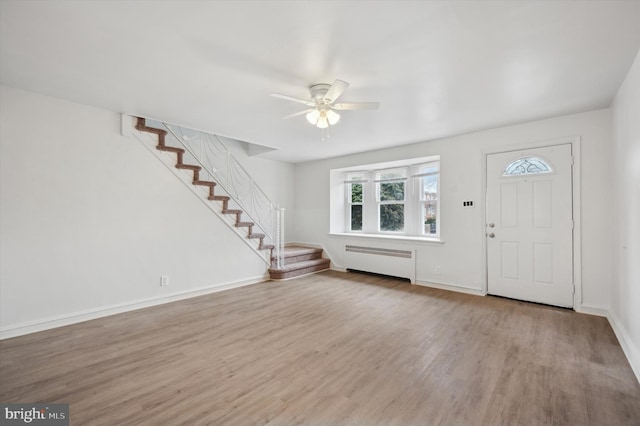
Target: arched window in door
(527,166)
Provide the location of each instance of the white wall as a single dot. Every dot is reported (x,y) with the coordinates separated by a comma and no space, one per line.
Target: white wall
(625,223)
(90,220)
(460,257)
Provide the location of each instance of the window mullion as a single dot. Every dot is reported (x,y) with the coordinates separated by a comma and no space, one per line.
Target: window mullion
(369,212)
(410,207)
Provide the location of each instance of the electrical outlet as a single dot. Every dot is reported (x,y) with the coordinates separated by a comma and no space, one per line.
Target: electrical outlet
(164,280)
(437,270)
(467,203)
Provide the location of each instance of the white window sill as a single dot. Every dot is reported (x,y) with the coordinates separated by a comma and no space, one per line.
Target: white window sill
(406,238)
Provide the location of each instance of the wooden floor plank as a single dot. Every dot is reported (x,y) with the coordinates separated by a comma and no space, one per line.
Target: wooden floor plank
(329,348)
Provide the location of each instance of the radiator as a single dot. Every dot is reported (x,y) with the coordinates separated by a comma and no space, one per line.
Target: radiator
(397,263)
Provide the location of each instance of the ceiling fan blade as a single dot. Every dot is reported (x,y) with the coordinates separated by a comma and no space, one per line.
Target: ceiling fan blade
(356,105)
(337,89)
(295,114)
(290,98)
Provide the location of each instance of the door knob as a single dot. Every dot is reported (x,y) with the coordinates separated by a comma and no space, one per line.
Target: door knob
(491,235)
(491,225)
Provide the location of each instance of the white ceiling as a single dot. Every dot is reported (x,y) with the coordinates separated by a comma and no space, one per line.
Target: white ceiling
(437,68)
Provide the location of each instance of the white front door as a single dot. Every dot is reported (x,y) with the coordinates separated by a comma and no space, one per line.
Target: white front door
(530,225)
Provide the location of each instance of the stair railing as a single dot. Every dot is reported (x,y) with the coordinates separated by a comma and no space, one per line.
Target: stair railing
(279,238)
(216,160)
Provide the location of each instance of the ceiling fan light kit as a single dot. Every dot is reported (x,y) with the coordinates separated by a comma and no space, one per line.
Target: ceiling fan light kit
(323,114)
(323,117)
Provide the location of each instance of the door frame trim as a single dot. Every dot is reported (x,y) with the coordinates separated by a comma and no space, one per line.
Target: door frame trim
(576,206)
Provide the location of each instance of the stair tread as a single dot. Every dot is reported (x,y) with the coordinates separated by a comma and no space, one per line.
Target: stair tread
(204,183)
(151,130)
(221,197)
(169,148)
(239,224)
(266,247)
(256,236)
(303,264)
(293,251)
(188,166)
(231,211)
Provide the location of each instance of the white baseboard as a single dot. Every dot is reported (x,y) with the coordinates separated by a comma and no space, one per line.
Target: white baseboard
(629,349)
(451,287)
(62,320)
(592,310)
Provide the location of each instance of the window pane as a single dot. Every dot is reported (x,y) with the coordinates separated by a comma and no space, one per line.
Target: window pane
(392,191)
(430,187)
(430,209)
(356,192)
(392,217)
(527,166)
(391,174)
(430,168)
(356,217)
(430,204)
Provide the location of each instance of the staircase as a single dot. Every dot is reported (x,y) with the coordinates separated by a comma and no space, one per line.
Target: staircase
(294,260)
(239,222)
(299,260)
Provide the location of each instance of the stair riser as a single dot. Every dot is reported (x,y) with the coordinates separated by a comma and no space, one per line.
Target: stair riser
(238,218)
(282,275)
(292,261)
(211,186)
(302,257)
(196,172)
(225,202)
(294,258)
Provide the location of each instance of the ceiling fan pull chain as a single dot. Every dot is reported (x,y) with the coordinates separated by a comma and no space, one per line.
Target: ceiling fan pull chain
(324,134)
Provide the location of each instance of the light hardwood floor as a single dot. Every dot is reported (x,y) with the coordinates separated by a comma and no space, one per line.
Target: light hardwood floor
(329,349)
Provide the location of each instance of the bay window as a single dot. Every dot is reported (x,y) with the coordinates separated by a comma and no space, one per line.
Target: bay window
(402,200)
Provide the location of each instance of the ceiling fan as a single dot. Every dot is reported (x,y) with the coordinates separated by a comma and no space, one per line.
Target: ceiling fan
(322,113)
